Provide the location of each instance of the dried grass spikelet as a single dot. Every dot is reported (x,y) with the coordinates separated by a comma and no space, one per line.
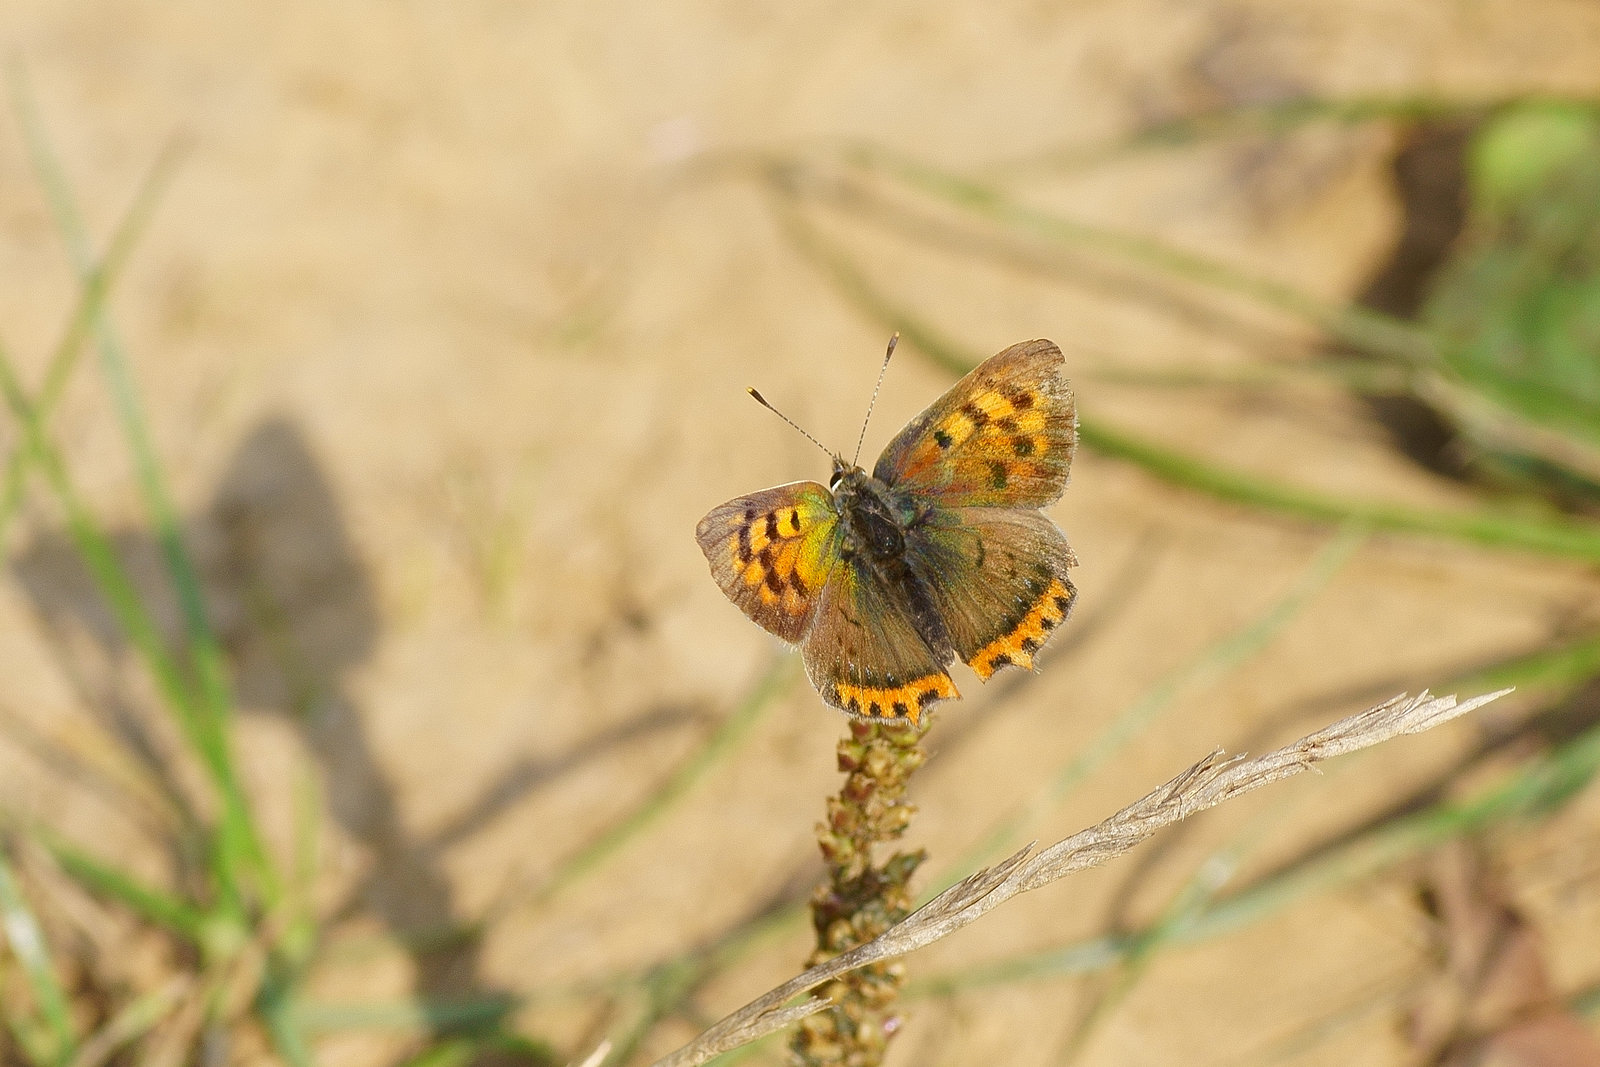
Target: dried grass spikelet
(1212,780)
(861,899)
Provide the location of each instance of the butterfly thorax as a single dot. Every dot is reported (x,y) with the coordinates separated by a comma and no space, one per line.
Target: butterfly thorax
(874,519)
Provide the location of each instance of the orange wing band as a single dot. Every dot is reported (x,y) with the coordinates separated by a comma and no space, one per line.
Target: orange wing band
(895,702)
(1017,647)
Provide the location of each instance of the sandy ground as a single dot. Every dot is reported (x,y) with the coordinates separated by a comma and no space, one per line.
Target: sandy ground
(437,336)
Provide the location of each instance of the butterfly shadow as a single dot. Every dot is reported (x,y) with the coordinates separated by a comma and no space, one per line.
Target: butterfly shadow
(296,613)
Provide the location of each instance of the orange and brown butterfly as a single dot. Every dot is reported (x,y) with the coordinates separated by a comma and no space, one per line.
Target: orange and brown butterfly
(883,579)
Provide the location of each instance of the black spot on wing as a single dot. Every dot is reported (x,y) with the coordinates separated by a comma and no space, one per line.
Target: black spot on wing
(997,473)
(773,579)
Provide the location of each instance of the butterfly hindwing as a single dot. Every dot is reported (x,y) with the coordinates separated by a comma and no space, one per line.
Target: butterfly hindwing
(1003,436)
(772,552)
(999,579)
(864,653)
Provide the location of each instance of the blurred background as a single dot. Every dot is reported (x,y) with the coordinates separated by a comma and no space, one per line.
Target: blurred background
(365,697)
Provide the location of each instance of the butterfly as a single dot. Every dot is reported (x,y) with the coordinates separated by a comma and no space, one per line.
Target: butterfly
(883,579)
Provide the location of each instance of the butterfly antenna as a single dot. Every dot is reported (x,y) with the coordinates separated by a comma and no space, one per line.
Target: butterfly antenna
(894,340)
(764,403)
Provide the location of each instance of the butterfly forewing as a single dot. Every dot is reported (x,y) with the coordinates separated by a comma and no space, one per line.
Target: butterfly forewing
(772,552)
(999,579)
(1003,436)
(864,654)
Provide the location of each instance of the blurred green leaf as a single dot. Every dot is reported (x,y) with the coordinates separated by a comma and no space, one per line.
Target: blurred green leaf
(1525,146)
(1517,308)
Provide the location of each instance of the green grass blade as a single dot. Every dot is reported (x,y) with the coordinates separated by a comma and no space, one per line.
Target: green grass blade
(1363,329)
(115,364)
(276,1006)
(93,294)
(456,1052)
(492,1048)
(1570,539)
(665,989)
(290,956)
(1355,376)
(415,1013)
(122,597)
(95,548)
(239,852)
(28,944)
(775,681)
(1566,666)
(166,910)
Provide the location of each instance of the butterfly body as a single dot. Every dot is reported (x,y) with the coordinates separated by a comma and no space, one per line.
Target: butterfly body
(883,579)
(879,524)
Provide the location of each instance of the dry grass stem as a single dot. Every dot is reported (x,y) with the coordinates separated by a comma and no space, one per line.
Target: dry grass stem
(862,897)
(1209,782)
